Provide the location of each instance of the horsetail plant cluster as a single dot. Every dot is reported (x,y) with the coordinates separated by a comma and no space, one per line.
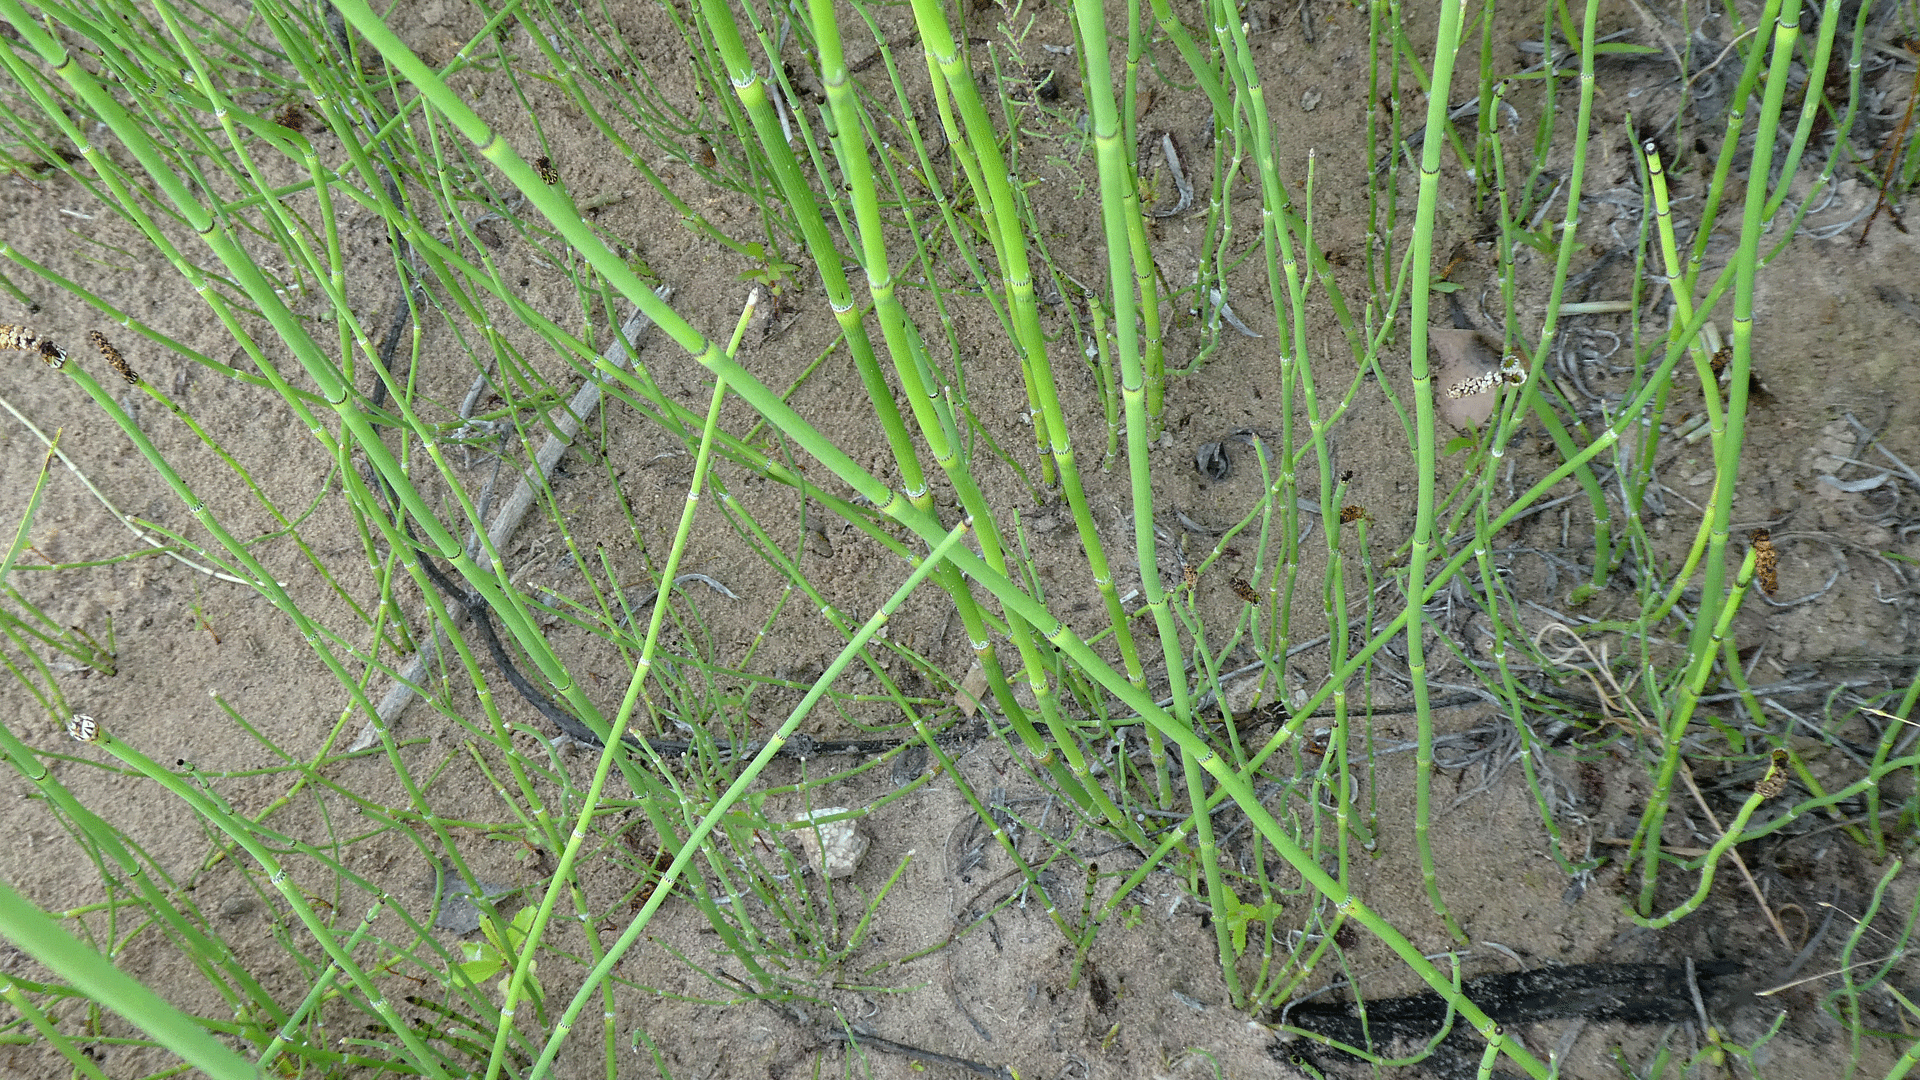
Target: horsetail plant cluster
(237,148)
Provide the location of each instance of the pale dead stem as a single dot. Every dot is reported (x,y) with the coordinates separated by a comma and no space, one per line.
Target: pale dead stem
(505,523)
(1612,696)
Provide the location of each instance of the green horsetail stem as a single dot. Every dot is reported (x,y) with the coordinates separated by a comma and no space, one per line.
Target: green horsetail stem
(1224,71)
(1424,540)
(614,748)
(1116,209)
(94,976)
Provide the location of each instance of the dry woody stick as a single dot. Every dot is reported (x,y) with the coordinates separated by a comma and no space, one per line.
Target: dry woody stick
(507,520)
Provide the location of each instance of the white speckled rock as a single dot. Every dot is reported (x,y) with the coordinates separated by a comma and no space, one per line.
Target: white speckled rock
(838,847)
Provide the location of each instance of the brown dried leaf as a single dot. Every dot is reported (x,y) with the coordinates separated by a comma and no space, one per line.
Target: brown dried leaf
(973,690)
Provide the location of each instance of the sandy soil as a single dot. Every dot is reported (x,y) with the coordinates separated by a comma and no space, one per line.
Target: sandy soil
(1836,324)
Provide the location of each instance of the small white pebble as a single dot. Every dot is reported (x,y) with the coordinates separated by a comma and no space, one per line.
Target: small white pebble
(842,842)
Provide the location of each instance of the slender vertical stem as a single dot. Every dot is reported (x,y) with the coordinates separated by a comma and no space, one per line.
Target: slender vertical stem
(751,90)
(1446,44)
(1746,265)
(1115,183)
(1716,604)
(1009,242)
